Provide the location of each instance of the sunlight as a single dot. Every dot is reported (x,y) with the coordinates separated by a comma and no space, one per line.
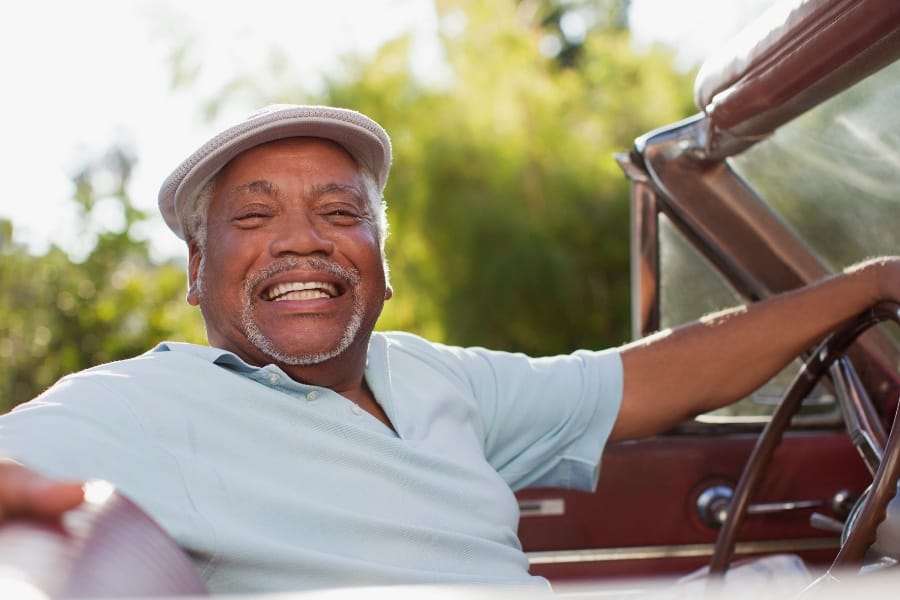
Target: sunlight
(98,491)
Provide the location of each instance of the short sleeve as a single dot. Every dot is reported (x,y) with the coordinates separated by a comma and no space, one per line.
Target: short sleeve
(544,421)
(549,419)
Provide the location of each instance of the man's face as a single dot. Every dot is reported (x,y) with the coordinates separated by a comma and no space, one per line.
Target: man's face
(292,270)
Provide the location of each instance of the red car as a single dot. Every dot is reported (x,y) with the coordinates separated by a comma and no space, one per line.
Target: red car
(790,170)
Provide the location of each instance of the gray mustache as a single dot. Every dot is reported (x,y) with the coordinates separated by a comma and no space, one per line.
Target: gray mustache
(350,277)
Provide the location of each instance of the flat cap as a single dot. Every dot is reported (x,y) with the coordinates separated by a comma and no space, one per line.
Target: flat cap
(364,139)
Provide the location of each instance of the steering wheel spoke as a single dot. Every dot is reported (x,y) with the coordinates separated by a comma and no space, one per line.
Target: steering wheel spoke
(860,418)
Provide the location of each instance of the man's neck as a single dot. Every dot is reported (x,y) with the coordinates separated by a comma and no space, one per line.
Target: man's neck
(345,375)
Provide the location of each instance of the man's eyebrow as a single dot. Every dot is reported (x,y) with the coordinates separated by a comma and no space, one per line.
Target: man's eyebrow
(260,186)
(337,188)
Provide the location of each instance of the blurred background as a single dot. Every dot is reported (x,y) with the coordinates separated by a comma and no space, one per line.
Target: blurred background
(509,216)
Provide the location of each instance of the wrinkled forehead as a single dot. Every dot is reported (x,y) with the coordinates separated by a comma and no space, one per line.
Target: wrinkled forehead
(277,166)
(302,152)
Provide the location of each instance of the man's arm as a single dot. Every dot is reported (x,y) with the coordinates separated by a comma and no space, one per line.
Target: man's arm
(719,359)
(24,493)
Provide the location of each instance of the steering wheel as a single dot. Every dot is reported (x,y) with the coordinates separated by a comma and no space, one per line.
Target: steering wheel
(880,452)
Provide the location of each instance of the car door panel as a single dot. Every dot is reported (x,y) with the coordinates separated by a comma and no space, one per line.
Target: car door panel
(643,518)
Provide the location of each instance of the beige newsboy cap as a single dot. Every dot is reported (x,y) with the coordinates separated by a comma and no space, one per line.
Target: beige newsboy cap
(365,140)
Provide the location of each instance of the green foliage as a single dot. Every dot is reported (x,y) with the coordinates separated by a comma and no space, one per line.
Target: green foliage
(60,316)
(565,24)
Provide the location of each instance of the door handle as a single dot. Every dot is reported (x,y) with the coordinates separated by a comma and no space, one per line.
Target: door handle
(713,503)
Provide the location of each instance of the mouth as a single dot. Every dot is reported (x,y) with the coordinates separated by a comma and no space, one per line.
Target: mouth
(300,290)
(310,279)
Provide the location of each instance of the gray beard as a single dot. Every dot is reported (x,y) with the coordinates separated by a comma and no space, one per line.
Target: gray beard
(262,342)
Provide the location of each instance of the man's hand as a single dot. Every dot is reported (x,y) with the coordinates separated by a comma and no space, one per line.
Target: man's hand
(24,493)
(885,272)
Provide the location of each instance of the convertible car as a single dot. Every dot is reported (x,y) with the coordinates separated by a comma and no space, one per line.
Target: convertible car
(789,171)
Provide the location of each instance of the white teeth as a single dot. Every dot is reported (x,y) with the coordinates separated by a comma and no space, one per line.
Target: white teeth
(306,290)
(302,295)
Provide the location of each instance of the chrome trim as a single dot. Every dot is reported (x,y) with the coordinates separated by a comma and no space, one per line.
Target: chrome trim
(767,508)
(863,424)
(678,551)
(644,239)
(541,507)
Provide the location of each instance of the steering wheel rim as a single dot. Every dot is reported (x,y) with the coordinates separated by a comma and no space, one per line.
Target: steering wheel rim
(883,488)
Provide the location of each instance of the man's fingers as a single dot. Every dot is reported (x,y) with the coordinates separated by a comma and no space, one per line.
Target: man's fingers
(51,499)
(24,493)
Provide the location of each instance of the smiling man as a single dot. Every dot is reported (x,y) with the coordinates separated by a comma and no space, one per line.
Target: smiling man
(300,449)
(286,263)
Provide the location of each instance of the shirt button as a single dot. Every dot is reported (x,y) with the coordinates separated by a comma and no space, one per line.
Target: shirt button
(356,410)
(312,396)
(273,378)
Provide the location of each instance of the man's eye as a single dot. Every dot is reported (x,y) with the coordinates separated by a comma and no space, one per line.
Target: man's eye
(250,218)
(342,216)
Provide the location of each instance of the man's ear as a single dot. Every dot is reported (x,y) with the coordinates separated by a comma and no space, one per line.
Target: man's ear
(195,257)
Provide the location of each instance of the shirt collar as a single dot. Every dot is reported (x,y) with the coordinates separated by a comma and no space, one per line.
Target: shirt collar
(377,350)
(208,353)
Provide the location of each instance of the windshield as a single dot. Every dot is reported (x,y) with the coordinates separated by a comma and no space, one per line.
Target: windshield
(834,173)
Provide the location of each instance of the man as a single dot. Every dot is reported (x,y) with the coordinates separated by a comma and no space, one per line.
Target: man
(302,450)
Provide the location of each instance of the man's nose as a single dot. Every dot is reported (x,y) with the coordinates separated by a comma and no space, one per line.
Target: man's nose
(297,232)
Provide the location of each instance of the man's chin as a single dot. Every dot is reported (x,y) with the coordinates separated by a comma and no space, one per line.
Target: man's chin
(303,348)
(300,352)
(297,357)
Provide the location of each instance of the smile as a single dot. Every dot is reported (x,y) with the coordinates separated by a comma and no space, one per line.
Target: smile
(296,290)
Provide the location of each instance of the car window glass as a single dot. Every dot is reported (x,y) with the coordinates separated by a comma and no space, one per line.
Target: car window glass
(834,172)
(691,288)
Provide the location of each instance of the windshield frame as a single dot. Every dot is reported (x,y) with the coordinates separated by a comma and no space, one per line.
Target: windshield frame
(770,75)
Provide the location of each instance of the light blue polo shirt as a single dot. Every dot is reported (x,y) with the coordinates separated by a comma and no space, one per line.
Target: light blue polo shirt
(274,485)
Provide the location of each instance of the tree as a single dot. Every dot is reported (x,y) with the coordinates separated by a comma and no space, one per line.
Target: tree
(61,316)
(568,23)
